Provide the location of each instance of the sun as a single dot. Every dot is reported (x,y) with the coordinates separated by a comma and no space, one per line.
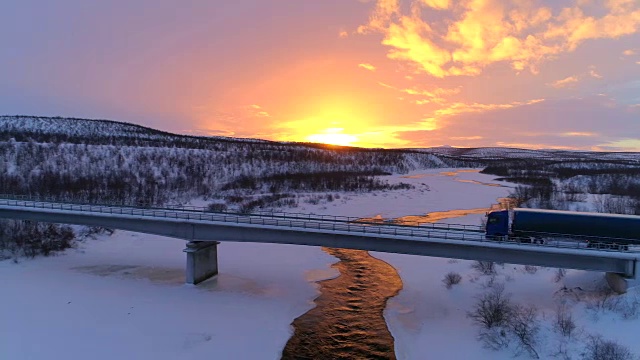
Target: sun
(333,137)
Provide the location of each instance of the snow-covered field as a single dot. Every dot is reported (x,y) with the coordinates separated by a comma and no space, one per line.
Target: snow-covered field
(122,296)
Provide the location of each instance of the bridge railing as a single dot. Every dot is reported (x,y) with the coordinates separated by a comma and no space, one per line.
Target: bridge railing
(266,213)
(418,232)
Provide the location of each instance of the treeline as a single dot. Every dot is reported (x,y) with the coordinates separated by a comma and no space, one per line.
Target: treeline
(356,181)
(613,186)
(30,239)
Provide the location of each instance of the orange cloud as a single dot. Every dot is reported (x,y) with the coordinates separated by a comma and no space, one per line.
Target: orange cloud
(436,95)
(410,41)
(466,138)
(538,146)
(437,4)
(367,66)
(568,81)
(257,111)
(579,133)
(461,108)
(574,27)
(380,17)
(482,32)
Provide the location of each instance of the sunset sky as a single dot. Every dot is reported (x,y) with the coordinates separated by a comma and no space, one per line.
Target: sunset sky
(373,73)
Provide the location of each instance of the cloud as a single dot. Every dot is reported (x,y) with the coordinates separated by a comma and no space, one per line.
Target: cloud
(381,15)
(462,108)
(534,124)
(622,17)
(257,111)
(566,82)
(594,74)
(623,145)
(628,52)
(437,4)
(367,66)
(476,137)
(343,34)
(472,35)
(410,41)
(578,133)
(435,95)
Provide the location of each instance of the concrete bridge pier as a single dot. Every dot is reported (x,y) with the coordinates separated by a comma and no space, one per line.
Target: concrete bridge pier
(202,261)
(616,282)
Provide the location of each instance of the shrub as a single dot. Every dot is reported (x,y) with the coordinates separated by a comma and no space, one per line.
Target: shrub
(502,322)
(492,309)
(451,279)
(217,207)
(484,267)
(564,323)
(30,239)
(598,348)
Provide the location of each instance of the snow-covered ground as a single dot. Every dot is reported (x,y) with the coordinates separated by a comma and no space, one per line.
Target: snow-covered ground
(122,296)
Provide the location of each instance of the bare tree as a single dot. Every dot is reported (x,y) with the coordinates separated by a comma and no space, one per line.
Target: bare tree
(523,324)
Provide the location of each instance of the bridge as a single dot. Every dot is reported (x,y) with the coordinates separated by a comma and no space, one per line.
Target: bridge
(204,230)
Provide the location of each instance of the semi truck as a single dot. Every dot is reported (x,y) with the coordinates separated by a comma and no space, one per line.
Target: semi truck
(536,225)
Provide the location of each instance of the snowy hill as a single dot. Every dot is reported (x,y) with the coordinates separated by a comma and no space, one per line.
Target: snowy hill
(497,153)
(58,129)
(86,131)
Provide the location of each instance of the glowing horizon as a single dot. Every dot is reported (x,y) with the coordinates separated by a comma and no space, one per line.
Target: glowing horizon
(386,73)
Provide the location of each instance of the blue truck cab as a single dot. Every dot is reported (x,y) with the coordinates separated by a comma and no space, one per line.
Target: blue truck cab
(497,223)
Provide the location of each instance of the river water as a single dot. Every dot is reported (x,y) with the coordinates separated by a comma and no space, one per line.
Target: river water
(347,321)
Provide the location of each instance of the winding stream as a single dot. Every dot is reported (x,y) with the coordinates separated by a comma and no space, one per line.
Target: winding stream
(347,321)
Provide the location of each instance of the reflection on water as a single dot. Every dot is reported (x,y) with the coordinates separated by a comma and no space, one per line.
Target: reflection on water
(442,173)
(506,203)
(347,322)
(437,216)
(480,183)
(455,174)
(431,217)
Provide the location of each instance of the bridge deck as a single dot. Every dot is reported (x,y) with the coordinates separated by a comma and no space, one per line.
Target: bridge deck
(436,240)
